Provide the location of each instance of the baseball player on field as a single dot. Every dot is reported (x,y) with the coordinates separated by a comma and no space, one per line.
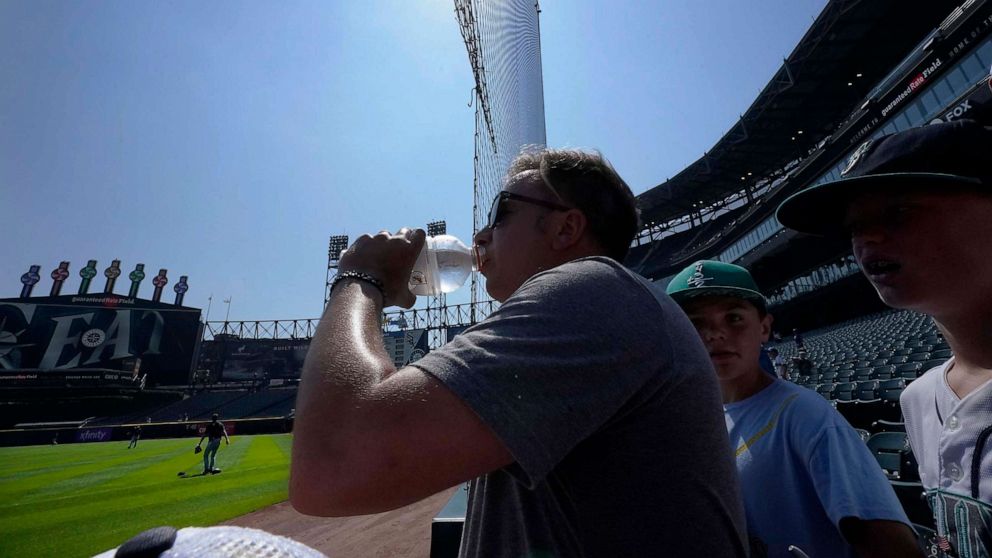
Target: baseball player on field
(917,206)
(807,478)
(214,431)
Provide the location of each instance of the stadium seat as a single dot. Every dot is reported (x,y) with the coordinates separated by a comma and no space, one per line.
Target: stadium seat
(868,391)
(898,359)
(890,390)
(825,390)
(930,364)
(888,426)
(909,370)
(902,352)
(863,434)
(883,372)
(919,357)
(942,354)
(846,391)
(888,449)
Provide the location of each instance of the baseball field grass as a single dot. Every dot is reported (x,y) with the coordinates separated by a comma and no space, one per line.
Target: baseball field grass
(83,499)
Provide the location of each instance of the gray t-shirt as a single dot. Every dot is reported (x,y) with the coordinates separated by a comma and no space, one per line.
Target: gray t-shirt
(601,390)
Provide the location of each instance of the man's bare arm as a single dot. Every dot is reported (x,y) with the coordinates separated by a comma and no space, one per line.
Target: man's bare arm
(368,437)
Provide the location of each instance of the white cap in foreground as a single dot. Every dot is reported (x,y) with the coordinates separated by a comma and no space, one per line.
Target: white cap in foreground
(210,542)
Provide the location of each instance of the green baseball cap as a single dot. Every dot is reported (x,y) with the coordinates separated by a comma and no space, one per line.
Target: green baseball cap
(713,278)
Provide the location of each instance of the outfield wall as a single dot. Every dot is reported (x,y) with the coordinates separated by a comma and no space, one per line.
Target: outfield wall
(122,432)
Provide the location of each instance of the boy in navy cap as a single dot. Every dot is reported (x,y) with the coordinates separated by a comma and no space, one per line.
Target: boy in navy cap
(917,206)
(808,479)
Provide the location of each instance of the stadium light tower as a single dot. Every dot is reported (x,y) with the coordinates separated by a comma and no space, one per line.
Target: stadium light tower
(437,305)
(435,228)
(338,244)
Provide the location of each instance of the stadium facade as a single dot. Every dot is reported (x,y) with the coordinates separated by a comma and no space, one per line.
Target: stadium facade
(863,69)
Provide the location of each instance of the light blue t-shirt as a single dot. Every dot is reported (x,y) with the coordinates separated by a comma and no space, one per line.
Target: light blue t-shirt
(802,469)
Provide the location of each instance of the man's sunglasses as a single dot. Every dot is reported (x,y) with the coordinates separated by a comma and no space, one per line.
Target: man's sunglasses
(503,196)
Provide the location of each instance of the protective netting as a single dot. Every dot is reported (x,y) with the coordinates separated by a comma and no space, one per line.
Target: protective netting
(503,40)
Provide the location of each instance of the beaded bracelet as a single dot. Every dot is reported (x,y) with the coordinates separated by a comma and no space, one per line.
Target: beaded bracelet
(358,275)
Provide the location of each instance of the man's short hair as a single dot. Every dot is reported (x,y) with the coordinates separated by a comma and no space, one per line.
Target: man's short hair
(588,182)
(215,416)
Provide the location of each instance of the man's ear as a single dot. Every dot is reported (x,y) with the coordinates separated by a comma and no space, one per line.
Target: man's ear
(766,327)
(569,228)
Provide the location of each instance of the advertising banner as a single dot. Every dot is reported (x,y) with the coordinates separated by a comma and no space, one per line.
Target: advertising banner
(98,331)
(94,435)
(231,358)
(406,346)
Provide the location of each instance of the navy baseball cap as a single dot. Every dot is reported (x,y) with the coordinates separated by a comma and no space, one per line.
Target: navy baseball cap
(713,278)
(935,157)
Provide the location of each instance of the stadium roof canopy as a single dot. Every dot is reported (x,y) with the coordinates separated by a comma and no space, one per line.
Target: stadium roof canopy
(852,46)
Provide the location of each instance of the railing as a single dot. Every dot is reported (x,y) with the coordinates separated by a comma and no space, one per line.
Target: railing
(459,315)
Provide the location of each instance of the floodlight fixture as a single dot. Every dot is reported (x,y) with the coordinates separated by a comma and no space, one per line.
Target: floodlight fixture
(437,228)
(338,244)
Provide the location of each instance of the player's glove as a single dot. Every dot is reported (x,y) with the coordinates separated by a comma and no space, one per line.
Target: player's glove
(197,449)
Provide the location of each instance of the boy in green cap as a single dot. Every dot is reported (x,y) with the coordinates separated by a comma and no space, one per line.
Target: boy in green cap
(807,478)
(917,206)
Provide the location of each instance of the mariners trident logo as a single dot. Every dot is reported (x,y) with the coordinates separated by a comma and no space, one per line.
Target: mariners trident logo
(856,156)
(698,279)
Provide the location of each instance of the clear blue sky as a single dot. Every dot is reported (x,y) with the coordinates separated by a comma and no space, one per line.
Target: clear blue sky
(227,140)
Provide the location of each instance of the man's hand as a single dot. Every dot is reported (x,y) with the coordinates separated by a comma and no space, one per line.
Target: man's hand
(390,259)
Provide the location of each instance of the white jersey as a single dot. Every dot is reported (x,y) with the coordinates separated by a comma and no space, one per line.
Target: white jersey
(779,363)
(950,438)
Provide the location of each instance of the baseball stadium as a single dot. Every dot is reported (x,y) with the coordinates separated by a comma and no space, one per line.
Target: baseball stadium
(108,397)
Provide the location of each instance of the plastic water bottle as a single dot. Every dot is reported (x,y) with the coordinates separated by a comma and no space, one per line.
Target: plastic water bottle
(443,265)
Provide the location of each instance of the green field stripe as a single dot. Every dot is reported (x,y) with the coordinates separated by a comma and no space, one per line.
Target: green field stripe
(57,458)
(229,457)
(134,496)
(124,480)
(285,443)
(83,513)
(105,465)
(51,532)
(127,474)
